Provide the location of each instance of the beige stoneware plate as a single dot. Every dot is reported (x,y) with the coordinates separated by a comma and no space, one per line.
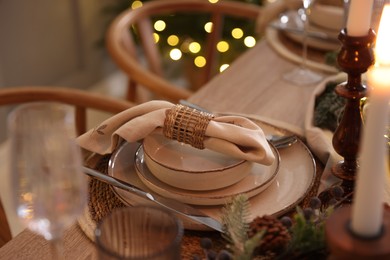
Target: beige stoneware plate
(259,178)
(297,171)
(185,167)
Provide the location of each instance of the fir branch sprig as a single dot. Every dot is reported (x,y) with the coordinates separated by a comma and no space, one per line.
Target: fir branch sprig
(235,218)
(308,230)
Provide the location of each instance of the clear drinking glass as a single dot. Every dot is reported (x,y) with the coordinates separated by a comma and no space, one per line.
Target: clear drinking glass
(49,188)
(141,232)
(302,75)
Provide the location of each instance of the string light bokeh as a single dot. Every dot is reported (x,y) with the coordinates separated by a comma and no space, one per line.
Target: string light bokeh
(238,37)
(181,40)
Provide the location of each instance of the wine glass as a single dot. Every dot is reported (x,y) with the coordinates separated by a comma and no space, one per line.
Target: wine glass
(303,75)
(49,189)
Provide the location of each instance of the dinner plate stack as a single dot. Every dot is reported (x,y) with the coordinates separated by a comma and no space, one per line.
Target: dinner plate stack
(201,177)
(272,190)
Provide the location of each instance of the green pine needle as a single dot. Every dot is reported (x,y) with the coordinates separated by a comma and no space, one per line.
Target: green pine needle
(308,235)
(235,217)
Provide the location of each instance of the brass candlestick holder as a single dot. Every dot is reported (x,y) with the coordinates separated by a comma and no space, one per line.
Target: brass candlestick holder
(354,58)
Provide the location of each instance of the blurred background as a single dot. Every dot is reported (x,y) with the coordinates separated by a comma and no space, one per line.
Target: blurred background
(61,43)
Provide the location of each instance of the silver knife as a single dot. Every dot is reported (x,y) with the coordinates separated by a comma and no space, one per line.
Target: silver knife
(177,207)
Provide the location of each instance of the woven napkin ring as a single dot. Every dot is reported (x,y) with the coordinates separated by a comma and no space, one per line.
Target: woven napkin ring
(186,125)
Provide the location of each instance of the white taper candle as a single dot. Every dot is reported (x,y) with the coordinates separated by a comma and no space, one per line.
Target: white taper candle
(359,17)
(367,209)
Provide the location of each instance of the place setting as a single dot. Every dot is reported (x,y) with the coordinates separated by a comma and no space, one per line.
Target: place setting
(310,31)
(205,179)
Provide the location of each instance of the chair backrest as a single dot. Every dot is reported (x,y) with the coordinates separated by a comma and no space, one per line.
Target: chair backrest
(79,99)
(123,47)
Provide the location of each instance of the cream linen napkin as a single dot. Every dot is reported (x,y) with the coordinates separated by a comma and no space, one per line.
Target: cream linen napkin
(232,135)
(320,140)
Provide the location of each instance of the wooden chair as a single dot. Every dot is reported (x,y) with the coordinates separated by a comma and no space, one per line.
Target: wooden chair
(81,100)
(122,46)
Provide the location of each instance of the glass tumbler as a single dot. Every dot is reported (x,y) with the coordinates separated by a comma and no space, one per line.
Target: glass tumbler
(141,232)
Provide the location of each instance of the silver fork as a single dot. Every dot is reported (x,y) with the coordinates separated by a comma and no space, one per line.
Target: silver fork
(282,141)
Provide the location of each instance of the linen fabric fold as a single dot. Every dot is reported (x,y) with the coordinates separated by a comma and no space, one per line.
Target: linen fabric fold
(235,136)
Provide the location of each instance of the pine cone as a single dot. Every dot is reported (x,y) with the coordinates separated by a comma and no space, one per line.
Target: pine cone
(276,236)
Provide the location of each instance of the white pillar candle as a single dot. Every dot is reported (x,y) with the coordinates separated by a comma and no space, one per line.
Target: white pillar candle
(367,209)
(359,17)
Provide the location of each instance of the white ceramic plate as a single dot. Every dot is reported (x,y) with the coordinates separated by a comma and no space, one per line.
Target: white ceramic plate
(296,176)
(259,178)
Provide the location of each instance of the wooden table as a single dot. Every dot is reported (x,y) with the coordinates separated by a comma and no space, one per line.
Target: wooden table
(253,84)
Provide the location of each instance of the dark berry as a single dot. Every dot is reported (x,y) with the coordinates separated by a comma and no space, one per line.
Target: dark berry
(286,221)
(315,203)
(337,192)
(224,255)
(211,255)
(308,213)
(206,243)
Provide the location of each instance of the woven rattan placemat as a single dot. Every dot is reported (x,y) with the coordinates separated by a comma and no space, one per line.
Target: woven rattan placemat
(103,200)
